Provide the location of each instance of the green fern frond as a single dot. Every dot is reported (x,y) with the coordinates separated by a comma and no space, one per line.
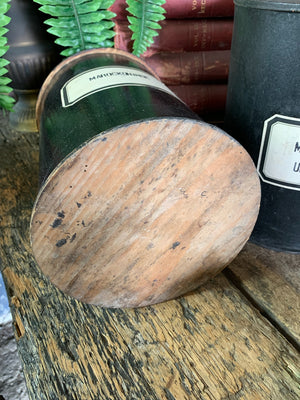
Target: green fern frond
(144,22)
(79,24)
(6,102)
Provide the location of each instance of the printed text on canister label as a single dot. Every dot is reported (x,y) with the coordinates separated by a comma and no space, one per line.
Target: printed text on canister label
(102,78)
(279,157)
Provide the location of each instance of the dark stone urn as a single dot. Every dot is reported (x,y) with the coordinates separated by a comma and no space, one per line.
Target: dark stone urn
(32,55)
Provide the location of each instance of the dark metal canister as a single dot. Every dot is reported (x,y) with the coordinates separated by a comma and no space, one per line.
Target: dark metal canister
(140,200)
(77,86)
(263,111)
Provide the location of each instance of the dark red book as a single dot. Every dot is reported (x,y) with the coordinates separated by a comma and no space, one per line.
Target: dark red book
(191,67)
(198,8)
(204,99)
(182,35)
(181,9)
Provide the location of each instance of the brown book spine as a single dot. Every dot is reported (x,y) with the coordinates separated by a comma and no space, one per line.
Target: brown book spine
(191,67)
(180,9)
(202,98)
(182,35)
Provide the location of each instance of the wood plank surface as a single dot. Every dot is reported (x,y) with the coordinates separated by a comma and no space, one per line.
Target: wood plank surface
(271,280)
(210,344)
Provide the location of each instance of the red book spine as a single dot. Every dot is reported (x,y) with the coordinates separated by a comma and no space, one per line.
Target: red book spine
(191,67)
(180,9)
(119,8)
(182,35)
(203,99)
(198,8)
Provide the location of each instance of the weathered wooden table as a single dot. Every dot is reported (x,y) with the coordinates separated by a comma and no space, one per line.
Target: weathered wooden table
(236,337)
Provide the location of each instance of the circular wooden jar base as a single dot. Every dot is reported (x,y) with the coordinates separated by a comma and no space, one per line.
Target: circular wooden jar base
(145,212)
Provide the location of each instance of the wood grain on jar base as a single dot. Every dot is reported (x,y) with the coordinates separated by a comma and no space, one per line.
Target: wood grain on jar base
(145,212)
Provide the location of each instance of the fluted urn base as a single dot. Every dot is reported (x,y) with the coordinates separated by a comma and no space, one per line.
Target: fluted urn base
(23,119)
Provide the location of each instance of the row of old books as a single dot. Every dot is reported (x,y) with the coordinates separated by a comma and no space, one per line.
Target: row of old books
(191,53)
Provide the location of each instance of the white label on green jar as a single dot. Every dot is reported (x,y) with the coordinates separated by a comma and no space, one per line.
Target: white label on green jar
(97,79)
(279,156)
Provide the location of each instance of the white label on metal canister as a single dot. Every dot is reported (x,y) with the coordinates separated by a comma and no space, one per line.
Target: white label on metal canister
(97,79)
(279,156)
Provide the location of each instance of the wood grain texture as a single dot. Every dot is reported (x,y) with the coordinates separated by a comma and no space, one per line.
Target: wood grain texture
(212,344)
(145,213)
(272,280)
